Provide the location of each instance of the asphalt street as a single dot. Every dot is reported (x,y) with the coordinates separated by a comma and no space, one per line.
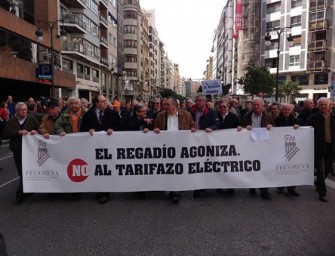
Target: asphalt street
(215,224)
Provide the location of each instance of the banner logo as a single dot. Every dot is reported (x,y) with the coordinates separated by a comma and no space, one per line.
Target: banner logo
(42,153)
(290,147)
(78,170)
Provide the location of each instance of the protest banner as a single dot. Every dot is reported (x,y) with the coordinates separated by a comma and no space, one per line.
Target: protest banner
(210,87)
(169,161)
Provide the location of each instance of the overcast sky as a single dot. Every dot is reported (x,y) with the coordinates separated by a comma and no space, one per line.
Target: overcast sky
(186,27)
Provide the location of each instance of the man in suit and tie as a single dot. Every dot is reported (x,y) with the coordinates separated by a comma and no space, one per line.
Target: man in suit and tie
(100,118)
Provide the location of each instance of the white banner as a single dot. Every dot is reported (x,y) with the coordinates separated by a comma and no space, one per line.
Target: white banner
(169,161)
(210,87)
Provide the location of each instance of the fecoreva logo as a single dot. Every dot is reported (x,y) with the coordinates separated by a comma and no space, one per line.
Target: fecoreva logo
(290,147)
(42,153)
(78,170)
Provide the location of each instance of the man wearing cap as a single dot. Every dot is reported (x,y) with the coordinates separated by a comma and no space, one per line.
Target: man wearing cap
(47,126)
(100,118)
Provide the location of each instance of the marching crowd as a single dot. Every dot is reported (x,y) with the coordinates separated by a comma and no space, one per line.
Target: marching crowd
(59,117)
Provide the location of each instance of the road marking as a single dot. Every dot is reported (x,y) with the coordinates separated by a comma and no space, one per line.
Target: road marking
(9,182)
(8,155)
(330,183)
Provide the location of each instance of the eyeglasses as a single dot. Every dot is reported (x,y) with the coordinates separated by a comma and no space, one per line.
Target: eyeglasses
(222,106)
(156,103)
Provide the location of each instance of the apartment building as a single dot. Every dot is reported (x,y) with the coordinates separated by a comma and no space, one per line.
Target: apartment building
(225,48)
(21,55)
(90,51)
(309,60)
(307,57)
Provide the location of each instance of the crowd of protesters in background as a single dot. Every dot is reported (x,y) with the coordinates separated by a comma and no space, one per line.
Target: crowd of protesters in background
(60,116)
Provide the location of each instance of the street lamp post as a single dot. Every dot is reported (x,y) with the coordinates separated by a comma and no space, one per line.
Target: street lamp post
(279,31)
(62,36)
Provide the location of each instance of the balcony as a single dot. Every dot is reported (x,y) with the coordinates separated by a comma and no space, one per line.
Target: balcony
(316,66)
(78,50)
(319,45)
(318,25)
(74,3)
(73,23)
(104,60)
(103,21)
(103,41)
(103,4)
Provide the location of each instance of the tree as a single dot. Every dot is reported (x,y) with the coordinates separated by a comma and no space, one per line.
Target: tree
(288,89)
(257,80)
(168,92)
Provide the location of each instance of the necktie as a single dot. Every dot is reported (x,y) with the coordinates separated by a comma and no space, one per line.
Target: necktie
(100,117)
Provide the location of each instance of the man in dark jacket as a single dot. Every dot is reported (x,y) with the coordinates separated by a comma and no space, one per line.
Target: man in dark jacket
(323,123)
(17,126)
(228,120)
(286,118)
(100,118)
(204,119)
(308,110)
(256,118)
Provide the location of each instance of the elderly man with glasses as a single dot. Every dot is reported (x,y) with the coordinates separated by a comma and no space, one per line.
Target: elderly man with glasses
(152,113)
(18,126)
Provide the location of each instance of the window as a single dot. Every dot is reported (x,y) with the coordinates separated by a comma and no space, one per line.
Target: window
(296,21)
(132,72)
(317,16)
(301,79)
(130,43)
(95,74)
(294,60)
(130,58)
(321,78)
(272,24)
(67,65)
(296,40)
(91,49)
(130,29)
(271,8)
(296,3)
(271,63)
(130,15)
(87,74)
(272,46)
(92,5)
(80,71)
(90,26)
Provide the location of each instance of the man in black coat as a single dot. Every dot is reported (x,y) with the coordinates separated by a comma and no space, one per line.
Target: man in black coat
(286,118)
(100,118)
(228,120)
(323,123)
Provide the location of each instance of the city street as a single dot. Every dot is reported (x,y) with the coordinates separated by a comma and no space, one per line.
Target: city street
(215,224)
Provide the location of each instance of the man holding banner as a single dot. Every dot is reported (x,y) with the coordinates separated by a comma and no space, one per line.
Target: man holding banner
(257,118)
(173,119)
(18,126)
(100,118)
